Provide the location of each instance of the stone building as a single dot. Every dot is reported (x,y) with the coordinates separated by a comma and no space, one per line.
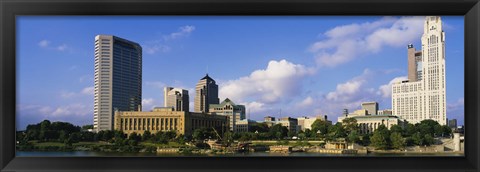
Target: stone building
(166,119)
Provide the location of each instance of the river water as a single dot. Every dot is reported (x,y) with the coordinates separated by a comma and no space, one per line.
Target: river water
(261,154)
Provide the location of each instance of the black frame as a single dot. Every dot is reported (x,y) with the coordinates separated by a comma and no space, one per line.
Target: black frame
(10,8)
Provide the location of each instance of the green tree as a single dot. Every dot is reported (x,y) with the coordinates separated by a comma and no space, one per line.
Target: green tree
(320,125)
(353,137)
(417,139)
(336,131)
(398,142)
(381,138)
(146,135)
(379,141)
(350,125)
(290,134)
(397,129)
(428,140)
(410,129)
(278,131)
(259,127)
(86,127)
(134,136)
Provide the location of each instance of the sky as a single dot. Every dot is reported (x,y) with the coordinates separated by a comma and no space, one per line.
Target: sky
(274,65)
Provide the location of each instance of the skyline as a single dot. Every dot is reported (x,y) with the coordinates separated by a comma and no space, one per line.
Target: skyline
(273,68)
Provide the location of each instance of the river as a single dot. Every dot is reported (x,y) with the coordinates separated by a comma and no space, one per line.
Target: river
(294,154)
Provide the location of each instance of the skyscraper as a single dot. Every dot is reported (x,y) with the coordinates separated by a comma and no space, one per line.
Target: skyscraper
(424,98)
(176,98)
(118,79)
(206,93)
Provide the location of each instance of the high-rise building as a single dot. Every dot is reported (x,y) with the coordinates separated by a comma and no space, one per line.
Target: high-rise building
(176,98)
(206,93)
(371,107)
(424,98)
(118,79)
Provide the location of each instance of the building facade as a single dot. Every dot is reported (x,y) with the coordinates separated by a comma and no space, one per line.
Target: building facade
(206,93)
(371,107)
(290,123)
(227,108)
(244,125)
(118,79)
(166,119)
(306,122)
(177,98)
(425,97)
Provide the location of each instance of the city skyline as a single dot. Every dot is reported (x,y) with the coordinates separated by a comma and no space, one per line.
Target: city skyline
(277,77)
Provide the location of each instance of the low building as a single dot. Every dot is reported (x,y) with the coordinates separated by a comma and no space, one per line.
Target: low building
(306,122)
(368,123)
(166,119)
(244,125)
(231,110)
(290,123)
(385,112)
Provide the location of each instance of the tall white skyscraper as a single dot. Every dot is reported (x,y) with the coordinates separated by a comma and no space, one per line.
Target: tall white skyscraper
(425,98)
(118,79)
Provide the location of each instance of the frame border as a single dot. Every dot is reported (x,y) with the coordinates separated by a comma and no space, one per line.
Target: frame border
(11,8)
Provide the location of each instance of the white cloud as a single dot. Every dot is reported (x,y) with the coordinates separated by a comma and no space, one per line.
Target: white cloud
(386,90)
(277,82)
(183,32)
(44,43)
(152,49)
(459,104)
(345,43)
(75,109)
(306,102)
(149,103)
(350,90)
(88,90)
(47,45)
(65,94)
(62,47)
(156,46)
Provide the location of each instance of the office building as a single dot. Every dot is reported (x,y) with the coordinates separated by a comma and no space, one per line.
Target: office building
(176,98)
(424,98)
(206,93)
(118,79)
(228,108)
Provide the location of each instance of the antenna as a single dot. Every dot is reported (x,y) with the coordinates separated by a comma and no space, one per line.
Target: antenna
(207,69)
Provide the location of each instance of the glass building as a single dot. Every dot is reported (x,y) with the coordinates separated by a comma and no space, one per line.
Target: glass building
(118,79)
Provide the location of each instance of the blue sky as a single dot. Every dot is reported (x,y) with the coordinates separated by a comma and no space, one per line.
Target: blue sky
(277,66)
